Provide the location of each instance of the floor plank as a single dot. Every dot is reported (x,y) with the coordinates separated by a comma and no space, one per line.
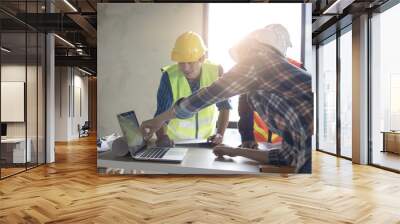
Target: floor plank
(70,191)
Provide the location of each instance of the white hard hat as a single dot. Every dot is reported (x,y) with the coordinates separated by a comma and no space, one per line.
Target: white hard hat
(275,35)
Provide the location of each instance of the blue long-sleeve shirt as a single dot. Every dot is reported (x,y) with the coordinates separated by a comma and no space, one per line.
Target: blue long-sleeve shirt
(165,98)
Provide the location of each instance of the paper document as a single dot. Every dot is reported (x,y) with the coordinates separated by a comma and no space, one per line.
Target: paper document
(190,141)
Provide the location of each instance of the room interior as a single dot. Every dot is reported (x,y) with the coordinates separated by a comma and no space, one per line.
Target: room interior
(48,171)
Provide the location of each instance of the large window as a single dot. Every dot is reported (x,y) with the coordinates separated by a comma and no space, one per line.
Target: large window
(335,73)
(385,88)
(22,88)
(327,96)
(346,93)
(228,23)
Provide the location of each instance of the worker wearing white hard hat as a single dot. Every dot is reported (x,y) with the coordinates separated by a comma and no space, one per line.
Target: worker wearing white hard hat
(253,130)
(279,91)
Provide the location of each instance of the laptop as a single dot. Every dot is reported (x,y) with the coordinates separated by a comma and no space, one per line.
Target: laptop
(137,146)
(3,131)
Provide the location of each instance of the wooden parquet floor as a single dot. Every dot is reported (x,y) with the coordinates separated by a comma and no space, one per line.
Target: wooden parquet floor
(70,191)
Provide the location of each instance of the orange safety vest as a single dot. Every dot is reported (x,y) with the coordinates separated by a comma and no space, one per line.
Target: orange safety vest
(260,129)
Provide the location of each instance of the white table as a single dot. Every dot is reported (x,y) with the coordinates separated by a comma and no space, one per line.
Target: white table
(196,161)
(18,149)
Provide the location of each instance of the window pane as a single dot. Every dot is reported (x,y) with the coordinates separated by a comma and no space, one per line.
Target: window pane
(31,100)
(327,97)
(346,94)
(41,98)
(385,88)
(228,23)
(14,153)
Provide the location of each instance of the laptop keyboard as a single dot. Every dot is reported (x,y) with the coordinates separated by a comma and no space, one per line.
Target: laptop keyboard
(154,153)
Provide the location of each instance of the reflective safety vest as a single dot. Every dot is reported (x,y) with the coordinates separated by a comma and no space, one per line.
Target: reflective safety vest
(260,129)
(202,124)
(262,133)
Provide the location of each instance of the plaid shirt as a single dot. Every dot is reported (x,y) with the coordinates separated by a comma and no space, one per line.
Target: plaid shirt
(280,92)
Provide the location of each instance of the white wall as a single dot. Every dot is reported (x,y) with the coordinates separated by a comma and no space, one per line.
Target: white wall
(134,42)
(66,121)
(12,73)
(80,83)
(33,126)
(61,103)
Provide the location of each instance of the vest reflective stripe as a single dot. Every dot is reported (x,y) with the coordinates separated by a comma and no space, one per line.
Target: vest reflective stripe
(260,134)
(276,138)
(182,129)
(261,131)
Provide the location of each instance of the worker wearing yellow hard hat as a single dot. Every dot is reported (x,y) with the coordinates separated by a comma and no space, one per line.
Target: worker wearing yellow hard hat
(190,73)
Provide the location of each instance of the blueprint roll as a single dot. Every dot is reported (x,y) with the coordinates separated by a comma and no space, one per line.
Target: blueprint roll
(120,147)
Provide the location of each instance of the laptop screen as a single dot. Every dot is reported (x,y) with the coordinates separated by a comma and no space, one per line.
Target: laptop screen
(3,129)
(130,128)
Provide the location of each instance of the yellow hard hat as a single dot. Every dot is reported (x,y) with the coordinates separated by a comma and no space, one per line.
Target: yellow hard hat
(189,47)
